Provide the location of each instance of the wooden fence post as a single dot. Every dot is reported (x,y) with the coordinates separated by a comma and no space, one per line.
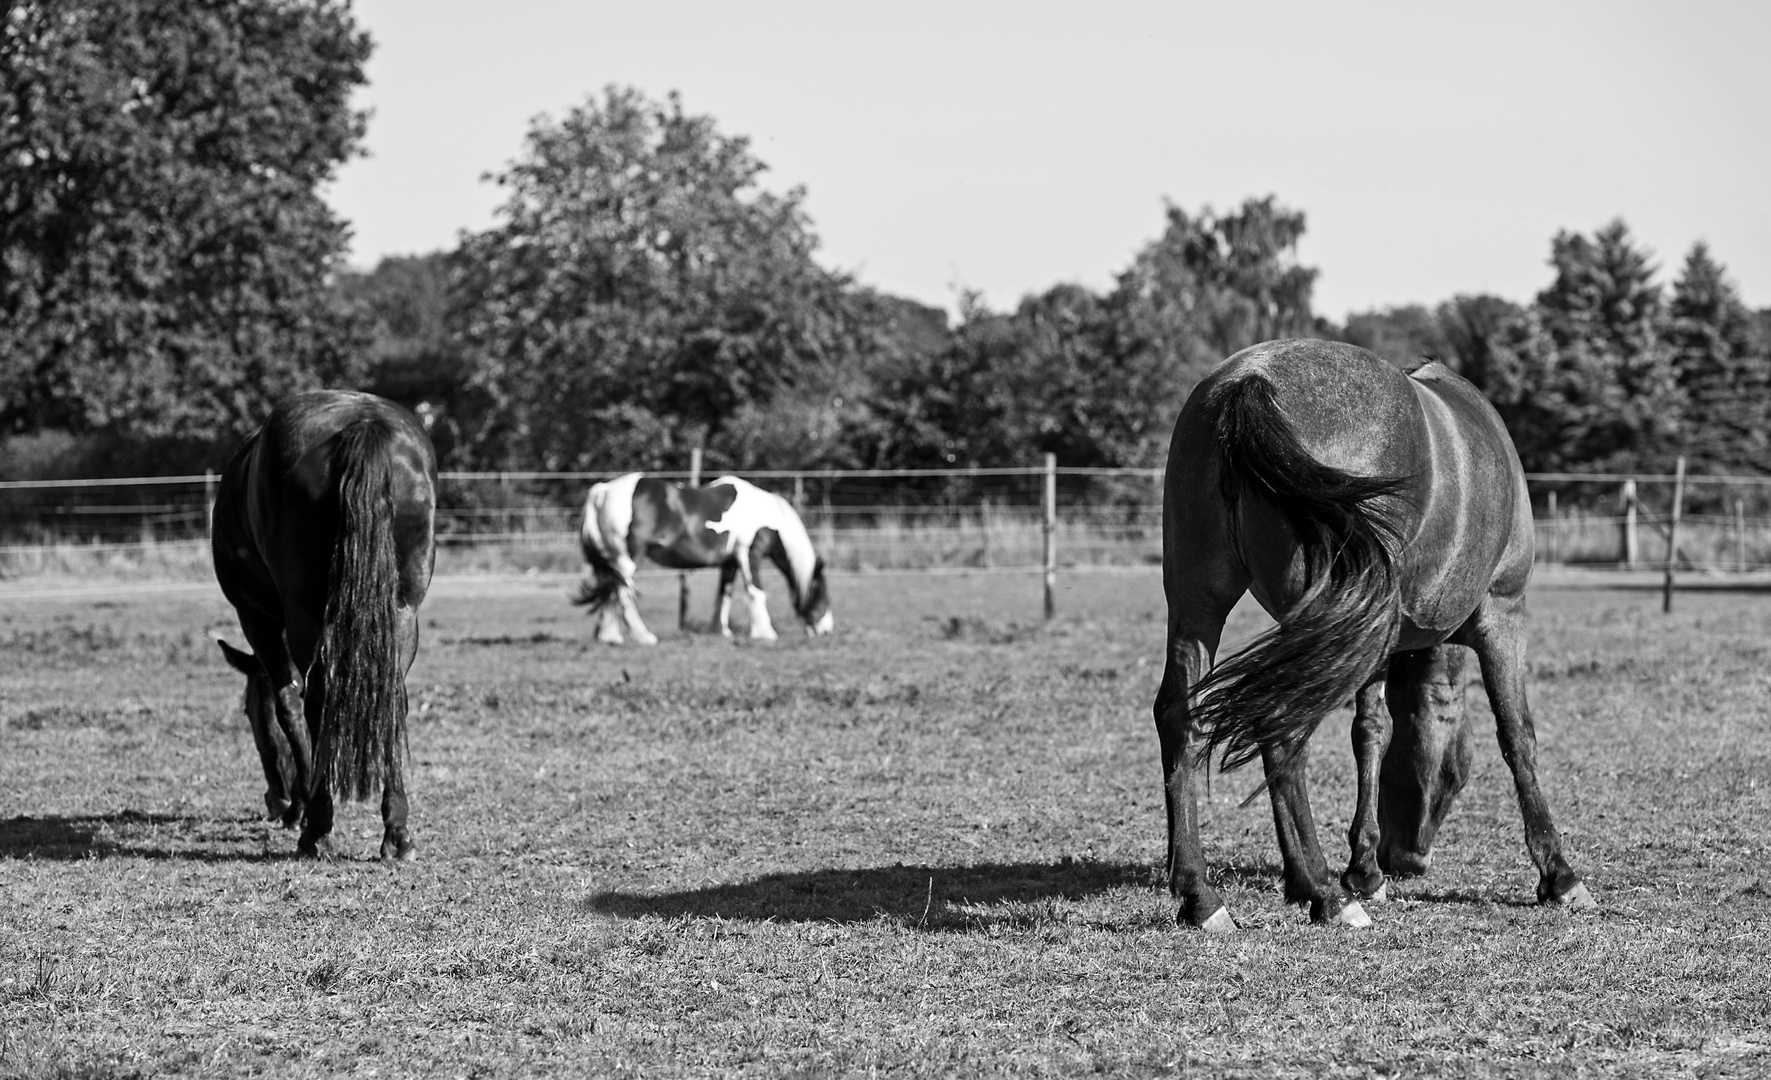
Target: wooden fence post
(1051,535)
(1740,534)
(1555,530)
(682,580)
(1628,500)
(1672,535)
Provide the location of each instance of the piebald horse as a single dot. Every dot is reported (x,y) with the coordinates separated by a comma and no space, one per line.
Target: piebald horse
(323,537)
(1382,519)
(730,523)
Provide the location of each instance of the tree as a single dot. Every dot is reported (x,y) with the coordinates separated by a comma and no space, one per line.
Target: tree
(1610,372)
(641,291)
(413,357)
(1402,335)
(163,249)
(1214,284)
(1721,366)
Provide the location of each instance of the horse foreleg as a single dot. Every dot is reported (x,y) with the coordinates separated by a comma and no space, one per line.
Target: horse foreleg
(761,628)
(283,746)
(1497,633)
(722,599)
(1307,879)
(1371,737)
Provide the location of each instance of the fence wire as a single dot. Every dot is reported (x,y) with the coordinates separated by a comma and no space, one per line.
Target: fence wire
(984,519)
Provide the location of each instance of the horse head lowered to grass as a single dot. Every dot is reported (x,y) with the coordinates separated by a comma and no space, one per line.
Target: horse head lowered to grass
(1382,519)
(323,538)
(730,523)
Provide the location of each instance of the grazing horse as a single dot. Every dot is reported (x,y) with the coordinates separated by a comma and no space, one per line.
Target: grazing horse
(1382,519)
(730,523)
(323,536)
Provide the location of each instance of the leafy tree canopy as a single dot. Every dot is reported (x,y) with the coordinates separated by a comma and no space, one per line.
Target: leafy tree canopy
(163,251)
(641,291)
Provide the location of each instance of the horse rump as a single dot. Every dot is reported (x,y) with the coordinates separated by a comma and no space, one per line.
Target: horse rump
(1341,628)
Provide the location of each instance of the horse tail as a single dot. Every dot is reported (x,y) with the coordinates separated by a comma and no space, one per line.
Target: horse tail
(602,580)
(363,710)
(1336,634)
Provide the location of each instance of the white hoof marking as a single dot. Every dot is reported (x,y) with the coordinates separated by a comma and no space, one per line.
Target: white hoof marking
(1382,894)
(1578,899)
(1353,915)
(1219,923)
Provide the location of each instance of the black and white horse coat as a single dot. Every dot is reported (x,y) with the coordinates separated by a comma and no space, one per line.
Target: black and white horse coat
(730,523)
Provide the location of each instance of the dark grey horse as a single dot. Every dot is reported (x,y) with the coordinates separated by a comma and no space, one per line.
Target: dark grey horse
(1382,519)
(323,536)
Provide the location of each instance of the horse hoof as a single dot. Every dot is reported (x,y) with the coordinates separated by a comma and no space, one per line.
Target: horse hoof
(1219,923)
(649,639)
(403,852)
(1382,894)
(275,808)
(1353,915)
(292,815)
(1576,899)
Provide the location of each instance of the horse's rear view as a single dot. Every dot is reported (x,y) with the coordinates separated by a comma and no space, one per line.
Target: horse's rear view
(323,542)
(1382,519)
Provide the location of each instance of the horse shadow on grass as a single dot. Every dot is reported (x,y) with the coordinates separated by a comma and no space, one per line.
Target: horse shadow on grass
(133,834)
(920,895)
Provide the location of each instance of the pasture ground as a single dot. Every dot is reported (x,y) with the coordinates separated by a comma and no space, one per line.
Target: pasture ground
(926,846)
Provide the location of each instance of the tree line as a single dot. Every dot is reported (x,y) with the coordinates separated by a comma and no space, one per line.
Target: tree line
(168,270)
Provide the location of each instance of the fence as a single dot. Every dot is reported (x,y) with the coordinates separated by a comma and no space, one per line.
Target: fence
(1024,519)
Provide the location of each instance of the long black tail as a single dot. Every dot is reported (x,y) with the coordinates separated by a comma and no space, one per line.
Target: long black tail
(601,580)
(1334,637)
(363,713)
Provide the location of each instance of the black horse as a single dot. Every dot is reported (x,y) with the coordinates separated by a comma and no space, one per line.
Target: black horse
(1382,519)
(323,542)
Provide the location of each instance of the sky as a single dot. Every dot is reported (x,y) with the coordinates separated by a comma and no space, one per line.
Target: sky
(1006,147)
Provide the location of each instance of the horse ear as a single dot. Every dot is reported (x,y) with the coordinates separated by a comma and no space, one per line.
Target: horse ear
(243,662)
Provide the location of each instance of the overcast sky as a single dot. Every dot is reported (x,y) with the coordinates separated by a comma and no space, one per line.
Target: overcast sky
(1009,146)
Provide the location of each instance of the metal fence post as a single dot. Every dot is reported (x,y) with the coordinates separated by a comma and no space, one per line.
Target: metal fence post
(1555,528)
(1672,535)
(682,580)
(1051,535)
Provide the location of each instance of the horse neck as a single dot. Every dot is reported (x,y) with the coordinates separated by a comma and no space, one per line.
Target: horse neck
(793,555)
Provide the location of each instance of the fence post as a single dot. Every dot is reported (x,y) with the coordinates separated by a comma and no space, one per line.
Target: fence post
(1672,535)
(1740,534)
(799,494)
(1555,529)
(1051,535)
(209,495)
(1628,499)
(682,580)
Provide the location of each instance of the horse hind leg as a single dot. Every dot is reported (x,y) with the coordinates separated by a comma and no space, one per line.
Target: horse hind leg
(1497,633)
(1194,631)
(396,840)
(1307,878)
(1371,737)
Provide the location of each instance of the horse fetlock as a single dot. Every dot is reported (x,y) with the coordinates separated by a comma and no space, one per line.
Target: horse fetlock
(1369,884)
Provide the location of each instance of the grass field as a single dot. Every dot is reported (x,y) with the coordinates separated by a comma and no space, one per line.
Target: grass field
(925,846)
